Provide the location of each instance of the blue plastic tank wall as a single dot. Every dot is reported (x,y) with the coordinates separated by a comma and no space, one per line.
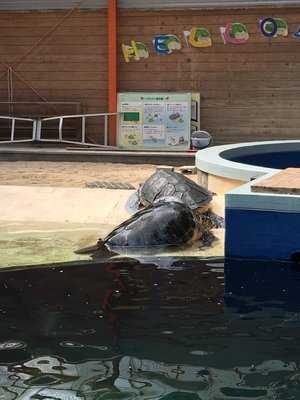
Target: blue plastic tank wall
(261,234)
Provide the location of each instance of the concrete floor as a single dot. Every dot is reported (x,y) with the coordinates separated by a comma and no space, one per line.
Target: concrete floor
(40,204)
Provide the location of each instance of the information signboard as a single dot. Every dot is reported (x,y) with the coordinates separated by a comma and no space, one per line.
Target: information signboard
(154,121)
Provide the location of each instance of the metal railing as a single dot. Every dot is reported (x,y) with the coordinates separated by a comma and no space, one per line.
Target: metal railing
(38,135)
(13,129)
(83,118)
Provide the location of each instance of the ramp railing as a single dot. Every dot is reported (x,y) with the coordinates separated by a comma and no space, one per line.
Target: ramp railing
(39,131)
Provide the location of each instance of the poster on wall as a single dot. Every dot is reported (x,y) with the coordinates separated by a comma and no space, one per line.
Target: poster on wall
(154,121)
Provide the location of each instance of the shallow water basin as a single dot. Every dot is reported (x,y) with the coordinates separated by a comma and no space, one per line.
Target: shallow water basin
(30,244)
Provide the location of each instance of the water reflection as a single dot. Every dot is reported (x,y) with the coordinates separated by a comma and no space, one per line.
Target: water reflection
(127,330)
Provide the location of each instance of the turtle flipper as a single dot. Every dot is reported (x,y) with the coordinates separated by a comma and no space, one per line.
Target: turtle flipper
(87,250)
(99,250)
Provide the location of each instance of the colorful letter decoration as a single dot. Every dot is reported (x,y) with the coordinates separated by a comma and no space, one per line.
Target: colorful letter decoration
(137,50)
(282,27)
(297,33)
(273,27)
(198,37)
(166,44)
(235,33)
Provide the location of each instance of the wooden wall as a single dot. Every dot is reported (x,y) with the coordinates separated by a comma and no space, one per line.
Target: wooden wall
(70,65)
(249,92)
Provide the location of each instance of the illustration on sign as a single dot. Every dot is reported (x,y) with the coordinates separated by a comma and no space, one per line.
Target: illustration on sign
(153,130)
(273,27)
(176,123)
(166,44)
(154,113)
(235,33)
(132,135)
(137,50)
(198,37)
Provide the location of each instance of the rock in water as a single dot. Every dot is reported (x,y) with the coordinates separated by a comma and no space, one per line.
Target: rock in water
(164,183)
(163,225)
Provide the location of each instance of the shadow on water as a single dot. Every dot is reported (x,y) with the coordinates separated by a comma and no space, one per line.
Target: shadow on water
(126,330)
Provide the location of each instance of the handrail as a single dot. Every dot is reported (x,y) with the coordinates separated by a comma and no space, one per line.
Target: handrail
(17,118)
(80,115)
(83,117)
(37,126)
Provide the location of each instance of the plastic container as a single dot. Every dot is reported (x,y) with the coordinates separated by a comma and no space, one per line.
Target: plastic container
(200,140)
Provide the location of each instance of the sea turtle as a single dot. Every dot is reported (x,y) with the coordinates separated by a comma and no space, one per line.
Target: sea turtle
(167,223)
(164,183)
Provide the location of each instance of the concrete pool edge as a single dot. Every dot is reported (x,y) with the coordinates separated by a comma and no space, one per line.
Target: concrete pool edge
(211,161)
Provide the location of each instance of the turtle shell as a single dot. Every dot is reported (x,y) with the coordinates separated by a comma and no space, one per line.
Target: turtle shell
(163,224)
(166,183)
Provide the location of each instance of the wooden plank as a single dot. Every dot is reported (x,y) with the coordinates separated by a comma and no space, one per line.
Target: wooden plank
(205,73)
(218,70)
(56,76)
(53,85)
(93,67)
(199,85)
(216,14)
(197,17)
(58,94)
(284,182)
(60,40)
(55,49)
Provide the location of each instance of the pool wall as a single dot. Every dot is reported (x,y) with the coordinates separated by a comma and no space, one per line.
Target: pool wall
(257,225)
(261,225)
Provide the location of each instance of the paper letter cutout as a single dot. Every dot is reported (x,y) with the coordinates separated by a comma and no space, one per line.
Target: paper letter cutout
(137,50)
(297,33)
(235,33)
(166,44)
(273,27)
(198,37)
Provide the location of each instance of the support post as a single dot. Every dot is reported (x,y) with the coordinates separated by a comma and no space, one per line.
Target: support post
(112,69)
